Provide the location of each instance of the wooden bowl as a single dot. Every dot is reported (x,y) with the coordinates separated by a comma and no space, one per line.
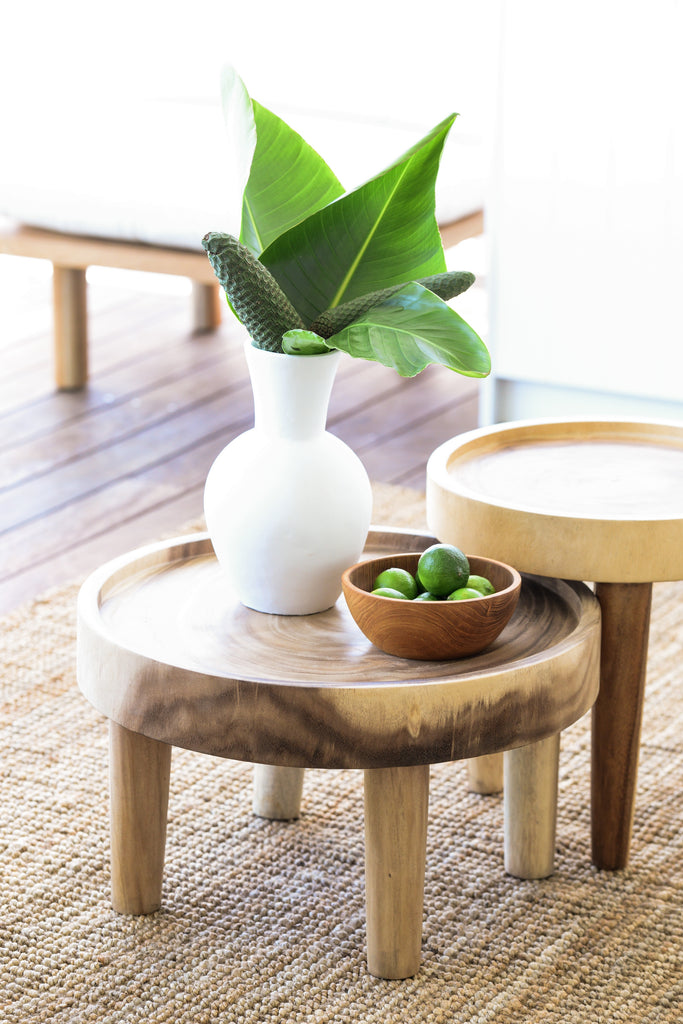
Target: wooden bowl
(430,630)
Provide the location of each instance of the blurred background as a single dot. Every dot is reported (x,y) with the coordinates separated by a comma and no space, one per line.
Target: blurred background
(569,135)
(569,139)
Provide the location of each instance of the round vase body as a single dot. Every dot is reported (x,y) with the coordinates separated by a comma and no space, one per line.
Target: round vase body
(287,504)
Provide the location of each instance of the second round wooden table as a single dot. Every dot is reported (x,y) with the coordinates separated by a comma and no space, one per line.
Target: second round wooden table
(598,500)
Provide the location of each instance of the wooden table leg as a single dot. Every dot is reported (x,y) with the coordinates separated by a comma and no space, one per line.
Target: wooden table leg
(139,773)
(617,717)
(206,306)
(485,773)
(70,327)
(530,808)
(277,792)
(396,803)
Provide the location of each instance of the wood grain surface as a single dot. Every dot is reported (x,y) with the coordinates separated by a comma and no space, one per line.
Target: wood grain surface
(530,808)
(166,650)
(396,814)
(67,250)
(588,500)
(617,718)
(139,776)
(70,327)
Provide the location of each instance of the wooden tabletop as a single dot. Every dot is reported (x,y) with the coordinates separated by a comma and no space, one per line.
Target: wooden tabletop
(166,649)
(584,499)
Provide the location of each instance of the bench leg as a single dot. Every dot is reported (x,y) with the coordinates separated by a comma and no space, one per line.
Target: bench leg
(206,306)
(530,808)
(277,792)
(70,327)
(139,772)
(617,718)
(485,773)
(396,801)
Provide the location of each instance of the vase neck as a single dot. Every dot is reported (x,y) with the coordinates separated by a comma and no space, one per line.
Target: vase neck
(291,393)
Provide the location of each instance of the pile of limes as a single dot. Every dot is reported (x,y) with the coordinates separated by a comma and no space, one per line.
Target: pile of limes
(443,574)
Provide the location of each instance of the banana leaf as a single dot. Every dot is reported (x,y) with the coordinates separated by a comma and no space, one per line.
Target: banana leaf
(411,329)
(287,179)
(240,129)
(380,234)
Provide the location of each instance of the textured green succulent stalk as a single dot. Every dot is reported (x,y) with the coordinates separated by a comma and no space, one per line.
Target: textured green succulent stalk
(252,291)
(449,284)
(446,286)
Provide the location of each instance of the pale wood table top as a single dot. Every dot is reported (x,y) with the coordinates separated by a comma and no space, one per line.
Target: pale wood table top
(594,500)
(166,650)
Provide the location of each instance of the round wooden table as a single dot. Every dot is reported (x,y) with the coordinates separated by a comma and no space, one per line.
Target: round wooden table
(597,500)
(171,658)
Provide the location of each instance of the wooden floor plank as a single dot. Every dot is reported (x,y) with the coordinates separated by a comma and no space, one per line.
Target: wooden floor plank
(110,424)
(128,382)
(109,332)
(134,454)
(74,563)
(402,457)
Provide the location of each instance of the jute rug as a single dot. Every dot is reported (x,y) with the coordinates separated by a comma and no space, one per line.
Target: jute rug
(265,921)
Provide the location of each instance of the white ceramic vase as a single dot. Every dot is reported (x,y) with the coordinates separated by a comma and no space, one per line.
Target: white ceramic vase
(287,504)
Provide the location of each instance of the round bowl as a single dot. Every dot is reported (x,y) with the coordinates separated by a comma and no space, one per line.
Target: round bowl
(430,630)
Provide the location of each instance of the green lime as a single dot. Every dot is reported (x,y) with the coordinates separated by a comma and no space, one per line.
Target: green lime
(465,594)
(426,596)
(389,592)
(481,584)
(442,569)
(397,579)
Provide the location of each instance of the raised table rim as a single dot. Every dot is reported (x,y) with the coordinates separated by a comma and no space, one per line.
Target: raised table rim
(554,541)
(411,722)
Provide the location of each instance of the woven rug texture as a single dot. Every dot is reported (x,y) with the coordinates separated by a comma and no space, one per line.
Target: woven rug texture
(265,921)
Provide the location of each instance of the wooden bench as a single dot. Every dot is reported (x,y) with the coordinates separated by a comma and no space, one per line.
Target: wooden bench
(71,255)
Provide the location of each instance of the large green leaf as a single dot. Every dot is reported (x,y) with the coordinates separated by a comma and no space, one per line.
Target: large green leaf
(287,179)
(240,129)
(411,329)
(381,234)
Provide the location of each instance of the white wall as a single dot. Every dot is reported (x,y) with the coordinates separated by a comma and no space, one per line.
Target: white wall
(586,212)
(391,60)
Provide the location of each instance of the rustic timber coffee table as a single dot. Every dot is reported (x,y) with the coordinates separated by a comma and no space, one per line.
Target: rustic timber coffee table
(598,500)
(171,658)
